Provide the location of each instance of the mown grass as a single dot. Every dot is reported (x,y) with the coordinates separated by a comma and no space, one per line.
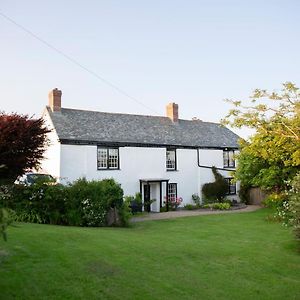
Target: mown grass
(236,256)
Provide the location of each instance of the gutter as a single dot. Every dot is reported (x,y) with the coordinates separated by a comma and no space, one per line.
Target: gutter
(210,167)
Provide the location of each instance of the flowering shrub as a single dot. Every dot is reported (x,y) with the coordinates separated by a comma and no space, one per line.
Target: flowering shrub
(290,211)
(173,202)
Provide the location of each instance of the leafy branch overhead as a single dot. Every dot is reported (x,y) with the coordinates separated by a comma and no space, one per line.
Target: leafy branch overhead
(270,112)
(272,154)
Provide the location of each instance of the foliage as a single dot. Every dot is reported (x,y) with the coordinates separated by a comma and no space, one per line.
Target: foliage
(274,200)
(173,202)
(218,205)
(191,206)
(196,200)
(244,193)
(290,212)
(7,216)
(83,203)
(22,144)
(134,203)
(215,190)
(272,156)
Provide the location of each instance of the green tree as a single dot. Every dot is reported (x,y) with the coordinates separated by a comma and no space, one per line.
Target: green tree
(272,154)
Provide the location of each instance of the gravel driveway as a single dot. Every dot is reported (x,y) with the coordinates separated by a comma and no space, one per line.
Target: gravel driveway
(187,213)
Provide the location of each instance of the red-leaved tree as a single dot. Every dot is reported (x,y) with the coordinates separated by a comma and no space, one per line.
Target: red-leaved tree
(23,141)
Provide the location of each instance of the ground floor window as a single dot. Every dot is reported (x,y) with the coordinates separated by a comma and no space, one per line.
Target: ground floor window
(231,186)
(172,191)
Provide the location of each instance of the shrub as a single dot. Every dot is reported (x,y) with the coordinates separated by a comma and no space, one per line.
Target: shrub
(274,200)
(174,202)
(7,216)
(82,203)
(244,193)
(215,190)
(217,205)
(134,203)
(196,200)
(191,206)
(290,211)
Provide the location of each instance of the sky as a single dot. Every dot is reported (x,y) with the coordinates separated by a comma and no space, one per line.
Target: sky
(137,56)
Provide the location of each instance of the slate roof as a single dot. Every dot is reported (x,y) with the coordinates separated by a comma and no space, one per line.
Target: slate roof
(83,126)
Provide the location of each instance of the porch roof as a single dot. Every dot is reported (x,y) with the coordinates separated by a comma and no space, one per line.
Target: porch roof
(148,180)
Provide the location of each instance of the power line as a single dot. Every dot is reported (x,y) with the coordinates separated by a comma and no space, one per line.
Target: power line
(75,62)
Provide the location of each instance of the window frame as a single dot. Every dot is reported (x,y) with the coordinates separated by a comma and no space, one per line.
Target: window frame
(227,158)
(175,159)
(108,167)
(230,183)
(175,185)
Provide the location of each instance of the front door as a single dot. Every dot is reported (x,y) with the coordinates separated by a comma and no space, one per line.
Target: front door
(147,197)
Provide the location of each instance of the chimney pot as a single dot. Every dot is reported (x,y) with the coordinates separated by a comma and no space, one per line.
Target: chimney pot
(55,99)
(172,112)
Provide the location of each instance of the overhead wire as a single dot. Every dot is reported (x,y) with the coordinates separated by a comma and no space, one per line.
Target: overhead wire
(75,62)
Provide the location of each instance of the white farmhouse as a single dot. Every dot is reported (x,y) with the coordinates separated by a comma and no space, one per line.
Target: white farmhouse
(157,156)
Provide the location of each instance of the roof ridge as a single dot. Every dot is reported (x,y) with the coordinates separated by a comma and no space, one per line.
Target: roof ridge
(137,115)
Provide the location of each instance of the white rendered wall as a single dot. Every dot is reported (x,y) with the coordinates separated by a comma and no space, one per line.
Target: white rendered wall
(209,157)
(144,163)
(51,161)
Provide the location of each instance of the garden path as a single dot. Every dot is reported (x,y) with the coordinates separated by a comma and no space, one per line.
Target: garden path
(188,213)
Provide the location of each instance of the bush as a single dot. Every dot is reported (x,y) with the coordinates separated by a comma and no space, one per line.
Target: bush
(217,205)
(7,216)
(134,203)
(196,200)
(244,193)
(216,190)
(191,206)
(274,200)
(83,203)
(290,211)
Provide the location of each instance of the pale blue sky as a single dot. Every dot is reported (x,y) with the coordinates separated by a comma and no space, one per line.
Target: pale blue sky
(194,53)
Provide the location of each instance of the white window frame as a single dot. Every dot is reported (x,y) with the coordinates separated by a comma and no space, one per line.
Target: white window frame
(171,160)
(228,159)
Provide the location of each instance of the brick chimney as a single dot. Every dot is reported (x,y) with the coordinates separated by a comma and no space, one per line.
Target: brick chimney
(55,99)
(172,111)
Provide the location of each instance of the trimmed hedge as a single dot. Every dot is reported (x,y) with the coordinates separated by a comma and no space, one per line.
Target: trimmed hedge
(82,203)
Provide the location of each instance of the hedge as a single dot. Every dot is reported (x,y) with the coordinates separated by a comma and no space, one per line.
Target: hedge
(82,203)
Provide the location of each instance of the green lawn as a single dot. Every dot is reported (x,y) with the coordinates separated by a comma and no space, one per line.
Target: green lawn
(234,256)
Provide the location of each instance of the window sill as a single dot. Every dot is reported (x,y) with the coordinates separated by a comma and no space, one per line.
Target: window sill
(109,169)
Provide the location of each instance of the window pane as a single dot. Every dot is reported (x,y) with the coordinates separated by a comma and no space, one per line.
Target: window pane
(225,158)
(113,158)
(228,158)
(231,186)
(231,158)
(171,159)
(102,158)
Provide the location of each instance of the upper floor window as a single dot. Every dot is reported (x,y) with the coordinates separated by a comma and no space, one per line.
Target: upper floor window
(228,158)
(107,158)
(171,159)
(231,186)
